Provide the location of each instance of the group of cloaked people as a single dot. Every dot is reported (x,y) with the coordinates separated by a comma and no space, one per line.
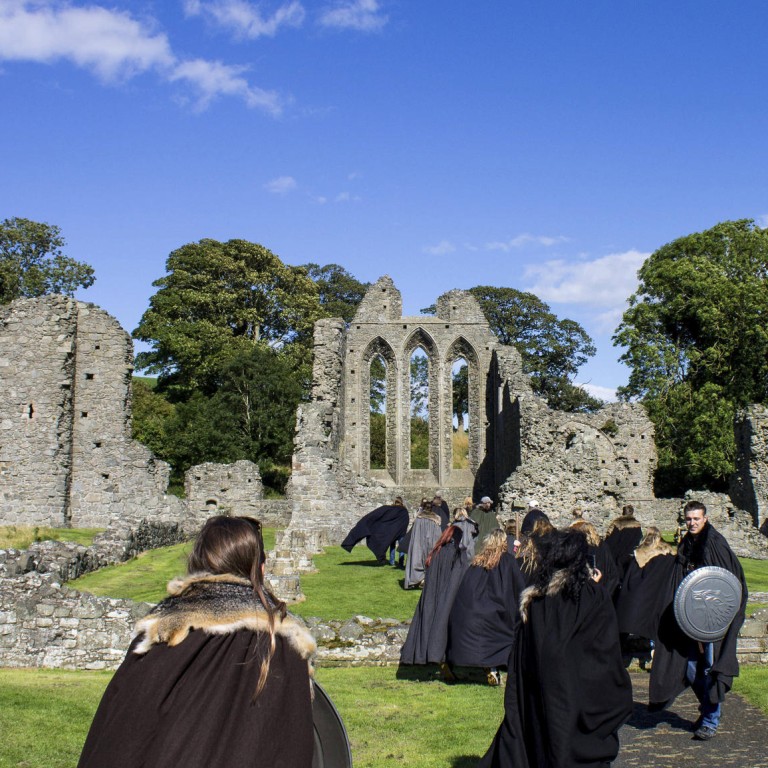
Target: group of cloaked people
(219,674)
(558,608)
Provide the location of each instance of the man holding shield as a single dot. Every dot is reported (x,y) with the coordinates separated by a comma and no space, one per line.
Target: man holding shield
(700,621)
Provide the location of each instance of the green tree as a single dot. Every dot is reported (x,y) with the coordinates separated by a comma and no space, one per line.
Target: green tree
(219,300)
(696,341)
(552,350)
(151,415)
(460,394)
(32,262)
(340,292)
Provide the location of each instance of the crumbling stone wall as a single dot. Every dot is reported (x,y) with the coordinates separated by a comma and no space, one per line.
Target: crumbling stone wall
(66,455)
(749,485)
(223,489)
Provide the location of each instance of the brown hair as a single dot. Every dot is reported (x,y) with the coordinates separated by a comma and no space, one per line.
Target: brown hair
(234,545)
(652,536)
(589,530)
(446,536)
(494,546)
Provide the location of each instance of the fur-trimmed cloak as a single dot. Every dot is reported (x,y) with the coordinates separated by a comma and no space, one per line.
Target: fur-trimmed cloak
(567,691)
(183,694)
(670,655)
(621,538)
(380,528)
(422,537)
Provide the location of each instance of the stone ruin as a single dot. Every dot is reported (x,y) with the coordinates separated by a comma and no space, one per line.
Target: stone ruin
(67,459)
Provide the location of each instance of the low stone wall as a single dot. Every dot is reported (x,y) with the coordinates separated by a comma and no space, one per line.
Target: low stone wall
(43,623)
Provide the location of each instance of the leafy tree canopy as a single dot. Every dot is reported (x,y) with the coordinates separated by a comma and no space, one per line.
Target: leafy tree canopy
(32,263)
(340,292)
(696,341)
(219,300)
(552,349)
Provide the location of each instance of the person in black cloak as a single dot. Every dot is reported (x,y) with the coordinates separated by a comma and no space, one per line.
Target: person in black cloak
(427,635)
(534,526)
(567,691)
(623,535)
(604,561)
(484,616)
(648,575)
(422,537)
(440,508)
(679,661)
(382,529)
(218,673)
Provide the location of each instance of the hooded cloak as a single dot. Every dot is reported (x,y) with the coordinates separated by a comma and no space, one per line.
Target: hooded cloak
(423,536)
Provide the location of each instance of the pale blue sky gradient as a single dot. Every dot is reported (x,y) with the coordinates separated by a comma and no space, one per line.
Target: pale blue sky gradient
(546,146)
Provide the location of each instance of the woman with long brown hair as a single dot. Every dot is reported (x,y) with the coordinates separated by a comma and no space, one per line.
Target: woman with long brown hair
(218,673)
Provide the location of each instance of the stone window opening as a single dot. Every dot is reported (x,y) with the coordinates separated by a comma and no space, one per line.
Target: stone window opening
(105,475)
(211,505)
(378,413)
(460,413)
(97,444)
(89,376)
(83,414)
(30,411)
(419,409)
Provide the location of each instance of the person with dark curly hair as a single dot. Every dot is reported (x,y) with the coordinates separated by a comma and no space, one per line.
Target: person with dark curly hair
(567,690)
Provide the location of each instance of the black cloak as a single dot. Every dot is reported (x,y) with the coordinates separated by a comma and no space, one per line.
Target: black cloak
(624,534)
(670,656)
(484,617)
(567,691)
(380,529)
(605,563)
(183,694)
(428,633)
(639,593)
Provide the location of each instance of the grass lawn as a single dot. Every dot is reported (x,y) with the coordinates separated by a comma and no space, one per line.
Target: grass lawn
(45,715)
(21,536)
(756,572)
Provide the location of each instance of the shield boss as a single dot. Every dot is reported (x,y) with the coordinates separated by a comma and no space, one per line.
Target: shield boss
(706,602)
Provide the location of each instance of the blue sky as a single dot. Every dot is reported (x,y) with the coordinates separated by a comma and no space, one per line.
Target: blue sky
(545,146)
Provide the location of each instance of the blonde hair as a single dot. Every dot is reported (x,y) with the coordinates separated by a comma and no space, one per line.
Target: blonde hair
(494,546)
(468,503)
(528,552)
(589,530)
(460,513)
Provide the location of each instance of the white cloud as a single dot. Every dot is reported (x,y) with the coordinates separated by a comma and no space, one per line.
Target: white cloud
(441,249)
(281,185)
(246,19)
(525,239)
(604,393)
(342,197)
(604,282)
(762,221)
(363,15)
(115,46)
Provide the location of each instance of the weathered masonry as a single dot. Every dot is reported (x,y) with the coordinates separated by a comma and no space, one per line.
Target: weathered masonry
(66,453)
(517,445)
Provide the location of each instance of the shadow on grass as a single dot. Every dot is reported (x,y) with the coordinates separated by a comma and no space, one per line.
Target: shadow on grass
(424,673)
(465,761)
(366,563)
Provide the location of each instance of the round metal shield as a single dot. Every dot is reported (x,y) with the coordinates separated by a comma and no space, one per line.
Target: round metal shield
(706,602)
(332,749)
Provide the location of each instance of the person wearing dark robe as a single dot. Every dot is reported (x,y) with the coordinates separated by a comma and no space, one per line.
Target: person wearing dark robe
(567,691)
(468,528)
(485,515)
(440,508)
(603,558)
(218,674)
(679,661)
(427,635)
(648,576)
(484,616)
(535,525)
(422,537)
(382,529)
(622,537)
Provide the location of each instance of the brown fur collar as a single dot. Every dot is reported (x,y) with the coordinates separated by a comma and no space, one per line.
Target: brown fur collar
(218,605)
(622,522)
(646,552)
(433,516)
(527,596)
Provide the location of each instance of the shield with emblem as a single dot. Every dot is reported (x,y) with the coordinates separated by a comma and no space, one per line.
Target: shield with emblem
(706,603)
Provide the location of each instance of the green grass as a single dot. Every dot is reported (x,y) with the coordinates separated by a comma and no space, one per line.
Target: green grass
(144,578)
(45,715)
(21,536)
(756,572)
(350,583)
